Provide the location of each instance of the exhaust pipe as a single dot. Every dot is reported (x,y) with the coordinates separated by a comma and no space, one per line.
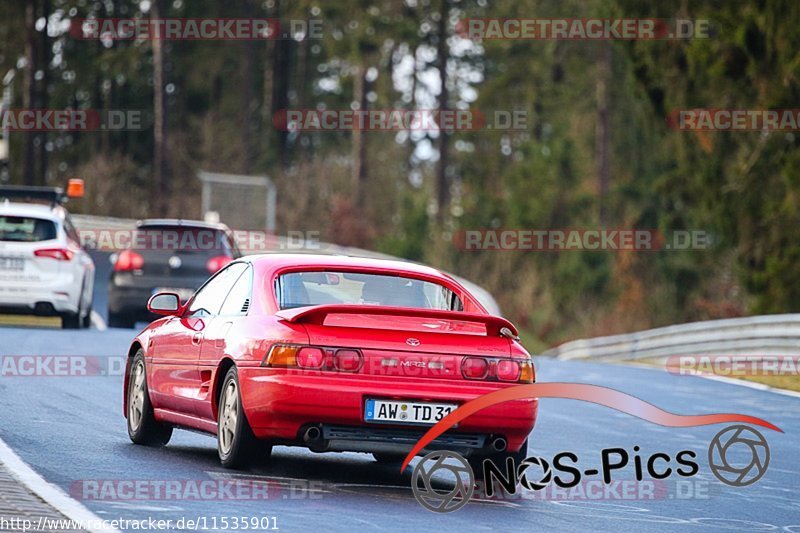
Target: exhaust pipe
(312,435)
(499,444)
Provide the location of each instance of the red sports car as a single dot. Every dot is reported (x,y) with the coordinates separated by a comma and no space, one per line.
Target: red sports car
(330,353)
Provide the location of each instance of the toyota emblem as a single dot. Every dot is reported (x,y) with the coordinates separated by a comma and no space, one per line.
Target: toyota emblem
(412,342)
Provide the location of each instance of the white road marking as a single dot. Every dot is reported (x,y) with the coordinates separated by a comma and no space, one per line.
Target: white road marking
(98,321)
(752,385)
(51,494)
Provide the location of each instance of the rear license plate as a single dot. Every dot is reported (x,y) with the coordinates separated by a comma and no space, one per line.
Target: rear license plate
(183,294)
(16,264)
(406,412)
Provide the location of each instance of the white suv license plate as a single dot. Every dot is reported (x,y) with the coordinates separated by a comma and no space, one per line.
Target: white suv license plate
(406,412)
(16,264)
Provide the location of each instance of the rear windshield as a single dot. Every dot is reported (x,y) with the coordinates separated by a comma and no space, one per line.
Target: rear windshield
(181,239)
(298,289)
(26,229)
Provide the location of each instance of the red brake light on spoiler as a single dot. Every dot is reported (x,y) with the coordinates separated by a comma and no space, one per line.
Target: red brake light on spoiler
(128,260)
(216,263)
(59,254)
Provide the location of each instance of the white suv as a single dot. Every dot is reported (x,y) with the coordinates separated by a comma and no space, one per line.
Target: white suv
(43,268)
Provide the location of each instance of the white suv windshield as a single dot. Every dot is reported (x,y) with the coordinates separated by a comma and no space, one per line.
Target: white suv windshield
(299,289)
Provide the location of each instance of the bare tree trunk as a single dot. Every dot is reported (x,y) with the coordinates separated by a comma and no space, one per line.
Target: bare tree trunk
(281,65)
(160,189)
(248,93)
(43,96)
(248,66)
(268,129)
(266,98)
(602,155)
(359,155)
(443,55)
(29,100)
(303,76)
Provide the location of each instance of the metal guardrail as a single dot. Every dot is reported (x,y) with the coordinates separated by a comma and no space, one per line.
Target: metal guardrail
(754,335)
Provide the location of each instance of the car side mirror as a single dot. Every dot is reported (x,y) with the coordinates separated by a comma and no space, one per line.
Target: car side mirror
(164,303)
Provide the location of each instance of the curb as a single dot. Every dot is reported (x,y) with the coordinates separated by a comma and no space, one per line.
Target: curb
(52,495)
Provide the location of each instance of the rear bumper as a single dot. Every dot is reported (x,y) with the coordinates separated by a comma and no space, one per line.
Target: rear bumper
(280,405)
(396,441)
(129,300)
(128,294)
(60,294)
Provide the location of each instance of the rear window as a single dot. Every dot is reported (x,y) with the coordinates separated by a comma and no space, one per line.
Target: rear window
(26,229)
(181,239)
(299,289)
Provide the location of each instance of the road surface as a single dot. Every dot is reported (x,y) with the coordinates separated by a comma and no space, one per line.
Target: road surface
(72,432)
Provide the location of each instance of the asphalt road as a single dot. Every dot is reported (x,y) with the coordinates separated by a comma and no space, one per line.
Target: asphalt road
(71,430)
(102,273)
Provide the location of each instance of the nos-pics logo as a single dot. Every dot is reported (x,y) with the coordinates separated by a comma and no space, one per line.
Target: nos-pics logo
(738,456)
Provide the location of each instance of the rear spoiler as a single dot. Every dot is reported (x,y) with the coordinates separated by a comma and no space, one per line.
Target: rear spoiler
(316,314)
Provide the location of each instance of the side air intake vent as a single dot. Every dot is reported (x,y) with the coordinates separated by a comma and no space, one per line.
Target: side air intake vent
(246,305)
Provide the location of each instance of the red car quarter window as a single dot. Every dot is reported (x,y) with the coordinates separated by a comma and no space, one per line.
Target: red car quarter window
(209,299)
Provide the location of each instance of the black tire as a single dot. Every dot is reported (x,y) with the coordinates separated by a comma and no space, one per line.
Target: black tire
(499,459)
(237,446)
(388,458)
(76,321)
(71,321)
(86,321)
(148,431)
(120,320)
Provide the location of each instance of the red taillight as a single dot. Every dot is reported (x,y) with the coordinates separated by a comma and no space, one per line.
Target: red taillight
(309,357)
(59,254)
(216,263)
(474,368)
(128,260)
(507,370)
(497,369)
(347,360)
(314,358)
